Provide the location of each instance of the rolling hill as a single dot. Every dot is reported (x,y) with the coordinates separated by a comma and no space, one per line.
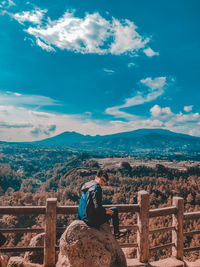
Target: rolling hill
(154,140)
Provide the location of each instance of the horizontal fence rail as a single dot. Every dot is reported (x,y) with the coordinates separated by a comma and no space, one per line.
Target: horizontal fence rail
(144,213)
(191,233)
(128,245)
(22,249)
(192,215)
(22,230)
(164,229)
(162,211)
(162,247)
(22,210)
(191,249)
(66,210)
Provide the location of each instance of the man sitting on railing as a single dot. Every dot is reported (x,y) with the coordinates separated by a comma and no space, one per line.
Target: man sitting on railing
(90,208)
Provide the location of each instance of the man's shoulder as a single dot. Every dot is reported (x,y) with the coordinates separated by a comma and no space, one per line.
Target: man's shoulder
(95,187)
(89,185)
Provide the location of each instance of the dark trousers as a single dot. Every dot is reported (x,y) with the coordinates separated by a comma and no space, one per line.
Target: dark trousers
(105,218)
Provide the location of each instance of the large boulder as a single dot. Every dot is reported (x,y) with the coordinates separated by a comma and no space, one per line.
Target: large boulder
(84,246)
(35,256)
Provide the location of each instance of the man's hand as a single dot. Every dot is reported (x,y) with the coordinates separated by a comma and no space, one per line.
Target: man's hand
(109,211)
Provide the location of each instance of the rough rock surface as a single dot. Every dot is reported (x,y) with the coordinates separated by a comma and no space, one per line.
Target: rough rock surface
(84,246)
(20,262)
(35,256)
(2,261)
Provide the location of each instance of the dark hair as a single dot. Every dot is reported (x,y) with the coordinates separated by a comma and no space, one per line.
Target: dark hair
(102,173)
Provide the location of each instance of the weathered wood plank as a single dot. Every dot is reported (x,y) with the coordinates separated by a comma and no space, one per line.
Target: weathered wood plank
(128,245)
(177,233)
(20,249)
(143,227)
(23,249)
(161,247)
(191,249)
(191,233)
(192,215)
(16,210)
(121,208)
(60,209)
(162,211)
(22,230)
(50,233)
(165,229)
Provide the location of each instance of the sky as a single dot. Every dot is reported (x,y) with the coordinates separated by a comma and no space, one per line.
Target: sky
(98,67)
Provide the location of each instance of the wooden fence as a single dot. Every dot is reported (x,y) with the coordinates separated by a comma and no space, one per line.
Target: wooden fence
(144,213)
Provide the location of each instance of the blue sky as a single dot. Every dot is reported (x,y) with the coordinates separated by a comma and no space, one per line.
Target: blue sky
(98,67)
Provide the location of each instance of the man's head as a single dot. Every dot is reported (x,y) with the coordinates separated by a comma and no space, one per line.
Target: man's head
(102,177)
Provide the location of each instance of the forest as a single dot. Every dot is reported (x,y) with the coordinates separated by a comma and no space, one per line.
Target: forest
(29,176)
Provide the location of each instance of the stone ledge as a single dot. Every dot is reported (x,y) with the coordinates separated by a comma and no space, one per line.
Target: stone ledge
(135,263)
(169,262)
(192,264)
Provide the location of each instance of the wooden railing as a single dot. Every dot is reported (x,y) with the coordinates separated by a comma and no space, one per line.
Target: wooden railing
(144,213)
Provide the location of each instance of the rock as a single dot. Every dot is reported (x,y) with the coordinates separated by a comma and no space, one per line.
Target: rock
(35,256)
(168,262)
(21,262)
(193,264)
(2,260)
(84,246)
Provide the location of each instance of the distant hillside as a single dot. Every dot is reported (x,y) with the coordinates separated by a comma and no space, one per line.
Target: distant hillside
(142,140)
(66,138)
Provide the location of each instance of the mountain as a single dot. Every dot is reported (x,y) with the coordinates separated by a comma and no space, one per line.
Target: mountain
(66,138)
(140,141)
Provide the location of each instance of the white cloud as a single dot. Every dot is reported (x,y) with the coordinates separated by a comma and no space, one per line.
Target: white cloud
(34,16)
(17,94)
(15,125)
(109,71)
(25,124)
(138,123)
(131,65)
(157,83)
(155,87)
(187,117)
(44,46)
(41,130)
(11,3)
(126,38)
(184,123)
(7,4)
(89,34)
(85,35)
(188,108)
(150,53)
(157,111)
(17,99)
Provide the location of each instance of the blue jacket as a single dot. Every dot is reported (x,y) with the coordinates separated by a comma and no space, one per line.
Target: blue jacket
(90,207)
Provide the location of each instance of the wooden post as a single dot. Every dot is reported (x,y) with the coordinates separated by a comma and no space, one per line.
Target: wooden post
(143,227)
(50,233)
(177,223)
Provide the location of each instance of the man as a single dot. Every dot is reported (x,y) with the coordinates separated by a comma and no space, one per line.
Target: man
(90,208)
